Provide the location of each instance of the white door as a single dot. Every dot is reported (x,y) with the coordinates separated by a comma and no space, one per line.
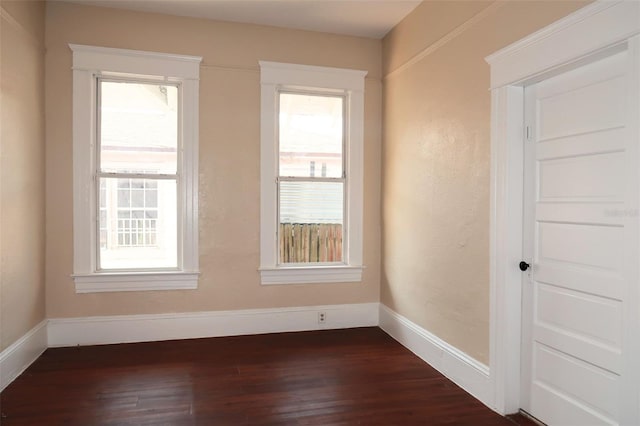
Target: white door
(580,296)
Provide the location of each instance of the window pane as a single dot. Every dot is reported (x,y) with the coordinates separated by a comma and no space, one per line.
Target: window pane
(311,218)
(137,198)
(138,127)
(124,197)
(141,233)
(310,135)
(150,196)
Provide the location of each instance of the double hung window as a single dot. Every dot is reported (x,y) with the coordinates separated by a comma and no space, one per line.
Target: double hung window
(311,174)
(135,170)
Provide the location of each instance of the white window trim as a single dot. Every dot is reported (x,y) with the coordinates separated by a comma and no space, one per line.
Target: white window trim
(273,77)
(88,63)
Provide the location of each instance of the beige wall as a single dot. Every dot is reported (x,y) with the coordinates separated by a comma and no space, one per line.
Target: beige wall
(229,156)
(22,233)
(435,187)
(435,173)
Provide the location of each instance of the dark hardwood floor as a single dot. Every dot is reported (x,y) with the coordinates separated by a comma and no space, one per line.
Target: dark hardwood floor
(340,377)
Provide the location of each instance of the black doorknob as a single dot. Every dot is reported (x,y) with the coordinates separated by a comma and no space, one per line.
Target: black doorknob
(524,266)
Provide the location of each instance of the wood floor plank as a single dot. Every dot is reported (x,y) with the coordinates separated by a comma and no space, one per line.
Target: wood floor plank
(338,377)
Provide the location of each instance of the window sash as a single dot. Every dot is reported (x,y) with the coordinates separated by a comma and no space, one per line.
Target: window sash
(344,224)
(98,228)
(98,122)
(327,93)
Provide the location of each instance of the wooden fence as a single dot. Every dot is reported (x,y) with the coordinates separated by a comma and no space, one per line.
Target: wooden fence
(310,242)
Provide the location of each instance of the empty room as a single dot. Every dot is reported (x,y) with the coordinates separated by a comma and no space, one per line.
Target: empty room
(318,212)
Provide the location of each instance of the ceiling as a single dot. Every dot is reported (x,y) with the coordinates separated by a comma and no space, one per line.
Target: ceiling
(363,18)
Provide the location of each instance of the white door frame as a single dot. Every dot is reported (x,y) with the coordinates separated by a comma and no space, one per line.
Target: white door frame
(575,39)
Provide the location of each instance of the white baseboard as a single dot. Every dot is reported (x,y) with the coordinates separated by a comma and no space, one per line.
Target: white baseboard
(21,354)
(465,371)
(145,328)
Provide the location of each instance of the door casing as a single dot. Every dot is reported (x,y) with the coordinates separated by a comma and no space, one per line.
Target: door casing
(580,38)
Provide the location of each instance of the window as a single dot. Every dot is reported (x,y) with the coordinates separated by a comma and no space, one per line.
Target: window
(135,138)
(311,208)
(137,157)
(311,174)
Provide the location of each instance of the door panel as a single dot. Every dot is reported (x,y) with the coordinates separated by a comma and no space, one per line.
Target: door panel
(580,244)
(574,112)
(582,177)
(598,387)
(603,141)
(575,392)
(588,317)
(590,213)
(566,102)
(591,350)
(580,240)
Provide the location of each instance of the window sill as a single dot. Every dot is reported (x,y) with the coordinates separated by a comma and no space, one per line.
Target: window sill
(142,281)
(311,274)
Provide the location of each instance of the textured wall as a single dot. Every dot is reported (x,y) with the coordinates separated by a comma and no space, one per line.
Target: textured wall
(22,147)
(229,156)
(436,155)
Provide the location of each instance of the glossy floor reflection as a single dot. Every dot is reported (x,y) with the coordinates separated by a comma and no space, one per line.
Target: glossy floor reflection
(339,377)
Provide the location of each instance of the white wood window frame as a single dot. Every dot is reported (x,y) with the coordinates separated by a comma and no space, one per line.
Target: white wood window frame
(275,77)
(89,63)
(579,38)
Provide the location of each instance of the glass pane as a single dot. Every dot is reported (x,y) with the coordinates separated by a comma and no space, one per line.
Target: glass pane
(311,218)
(139,224)
(124,197)
(310,135)
(138,127)
(150,197)
(137,197)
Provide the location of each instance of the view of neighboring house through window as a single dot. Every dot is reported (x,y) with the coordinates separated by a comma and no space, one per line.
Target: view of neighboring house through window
(137,175)
(311,177)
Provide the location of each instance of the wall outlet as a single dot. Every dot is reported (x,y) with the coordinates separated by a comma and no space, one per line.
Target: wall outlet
(322,317)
